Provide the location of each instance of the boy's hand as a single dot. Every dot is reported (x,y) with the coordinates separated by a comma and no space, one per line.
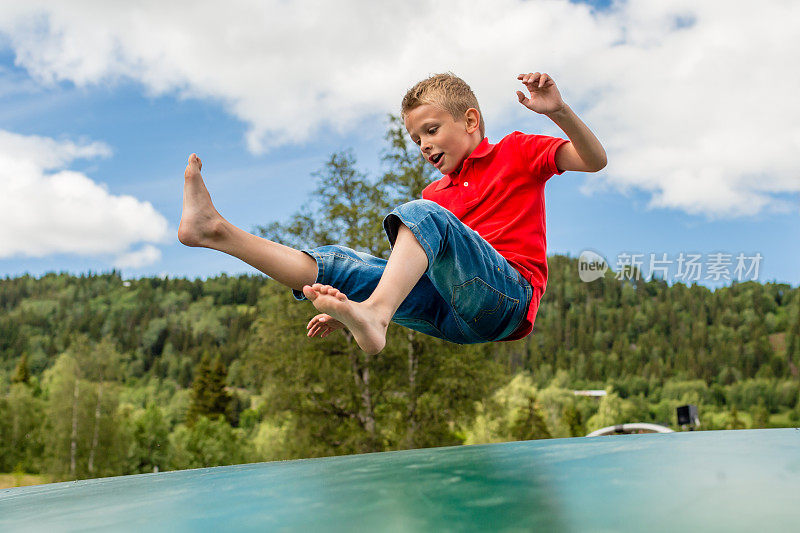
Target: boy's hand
(545,98)
(323,325)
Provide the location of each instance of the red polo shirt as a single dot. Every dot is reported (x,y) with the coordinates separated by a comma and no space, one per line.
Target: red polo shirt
(499,193)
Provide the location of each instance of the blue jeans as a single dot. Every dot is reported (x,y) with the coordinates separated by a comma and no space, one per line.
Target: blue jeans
(469,293)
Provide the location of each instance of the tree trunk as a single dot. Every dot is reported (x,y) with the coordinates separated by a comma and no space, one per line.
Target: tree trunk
(96,435)
(413,363)
(73,446)
(366,398)
(360,372)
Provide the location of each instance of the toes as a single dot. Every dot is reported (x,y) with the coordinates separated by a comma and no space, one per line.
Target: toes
(330,291)
(310,293)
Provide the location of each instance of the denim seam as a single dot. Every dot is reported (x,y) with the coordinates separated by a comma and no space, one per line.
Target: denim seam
(514,279)
(317,257)
(528,288)
(322,268)
(353,259)
(458,321)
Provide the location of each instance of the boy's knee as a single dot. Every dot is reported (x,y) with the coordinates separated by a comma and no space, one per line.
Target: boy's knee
(329,248)
(416,210)
(421,216)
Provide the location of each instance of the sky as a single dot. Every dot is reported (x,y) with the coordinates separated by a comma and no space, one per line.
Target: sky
(101,104)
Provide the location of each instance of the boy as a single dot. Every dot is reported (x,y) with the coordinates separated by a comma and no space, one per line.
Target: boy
(468,261)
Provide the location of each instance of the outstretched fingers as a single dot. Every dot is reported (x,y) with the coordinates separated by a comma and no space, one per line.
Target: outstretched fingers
(534,80)
(323,325)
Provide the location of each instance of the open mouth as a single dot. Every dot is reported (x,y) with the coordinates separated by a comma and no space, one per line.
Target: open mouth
(436,158)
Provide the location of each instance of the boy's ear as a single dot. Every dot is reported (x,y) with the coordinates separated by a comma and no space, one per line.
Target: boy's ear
(472,120)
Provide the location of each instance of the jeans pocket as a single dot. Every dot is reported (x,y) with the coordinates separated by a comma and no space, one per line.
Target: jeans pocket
(485,309)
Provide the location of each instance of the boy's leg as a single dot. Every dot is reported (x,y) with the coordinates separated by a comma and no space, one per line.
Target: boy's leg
(202,225)
(369,320)
(466,291)
(487,297)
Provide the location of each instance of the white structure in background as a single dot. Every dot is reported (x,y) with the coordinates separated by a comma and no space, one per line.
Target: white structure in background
(637,427)
(591,393)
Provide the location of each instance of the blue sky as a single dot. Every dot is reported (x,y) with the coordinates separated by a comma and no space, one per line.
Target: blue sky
(720,174)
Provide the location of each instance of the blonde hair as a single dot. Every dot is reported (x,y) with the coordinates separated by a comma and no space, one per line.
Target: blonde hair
(448,91)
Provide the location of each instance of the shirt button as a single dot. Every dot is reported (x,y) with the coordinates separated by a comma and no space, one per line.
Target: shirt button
(466,184)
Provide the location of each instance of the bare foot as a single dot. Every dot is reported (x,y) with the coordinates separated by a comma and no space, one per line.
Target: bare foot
(200,223)
(367,327)
(323,325)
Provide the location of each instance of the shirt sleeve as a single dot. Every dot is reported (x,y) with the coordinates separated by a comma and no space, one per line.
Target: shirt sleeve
(538,153)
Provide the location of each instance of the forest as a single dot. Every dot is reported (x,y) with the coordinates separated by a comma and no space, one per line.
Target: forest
(103,376)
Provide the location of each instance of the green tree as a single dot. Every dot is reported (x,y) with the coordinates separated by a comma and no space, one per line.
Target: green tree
(529,423)
(209,442)
(21,372)
(21,415)
(573,419)
(760,415)
(734,422)
(82,437)
(409,395)
(67,418)
(148,450)
(209,395)
(609,413)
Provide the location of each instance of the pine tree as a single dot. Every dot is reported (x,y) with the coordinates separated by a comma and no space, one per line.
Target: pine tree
(530,424)
(573,419)
(209,397)
(760,415)
(734,422)
(21,372)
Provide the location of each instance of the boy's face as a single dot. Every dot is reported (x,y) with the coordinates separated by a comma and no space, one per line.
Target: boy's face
(444,142)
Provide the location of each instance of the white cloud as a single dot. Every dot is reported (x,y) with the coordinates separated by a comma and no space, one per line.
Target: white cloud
(694,101)
(46,208)
(146,255)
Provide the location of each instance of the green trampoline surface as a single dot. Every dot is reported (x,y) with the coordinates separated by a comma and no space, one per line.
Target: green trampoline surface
(746,480)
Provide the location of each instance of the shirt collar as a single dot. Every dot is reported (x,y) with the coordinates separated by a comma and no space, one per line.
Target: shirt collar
(483,149)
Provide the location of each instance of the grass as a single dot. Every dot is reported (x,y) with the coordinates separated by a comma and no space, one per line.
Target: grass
(19,479)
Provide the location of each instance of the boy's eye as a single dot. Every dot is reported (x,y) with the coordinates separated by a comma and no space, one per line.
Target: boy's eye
(432,131)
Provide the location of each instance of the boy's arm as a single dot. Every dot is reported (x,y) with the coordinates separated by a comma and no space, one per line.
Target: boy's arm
(584,152)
